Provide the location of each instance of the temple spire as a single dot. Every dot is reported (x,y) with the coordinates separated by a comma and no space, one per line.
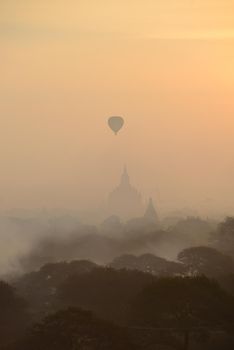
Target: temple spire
(151,213)
(125,180)
(125,201)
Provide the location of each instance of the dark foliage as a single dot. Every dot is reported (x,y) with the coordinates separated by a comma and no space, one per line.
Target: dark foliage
(149,263)
(206,261)
(13,314)
(75,329)
(224,238)
(39,288)
(105,291)
(183,302)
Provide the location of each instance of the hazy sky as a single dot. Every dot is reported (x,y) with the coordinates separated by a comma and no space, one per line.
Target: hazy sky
(167,66)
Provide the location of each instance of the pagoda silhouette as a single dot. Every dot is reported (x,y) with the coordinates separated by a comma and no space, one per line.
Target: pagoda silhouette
(125,201)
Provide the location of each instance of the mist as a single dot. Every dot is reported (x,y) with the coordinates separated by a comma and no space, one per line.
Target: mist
(62,79)
(65,70)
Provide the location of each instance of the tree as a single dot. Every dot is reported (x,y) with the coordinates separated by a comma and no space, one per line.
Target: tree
(225,236)
(183,302)
(39,287)
(13,314)
(194,230)
(206,261)
(105,291)
(148,263)
(75,329)
(226,228)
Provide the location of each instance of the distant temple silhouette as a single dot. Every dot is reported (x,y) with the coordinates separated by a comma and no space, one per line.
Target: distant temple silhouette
(151,215)
(125,201)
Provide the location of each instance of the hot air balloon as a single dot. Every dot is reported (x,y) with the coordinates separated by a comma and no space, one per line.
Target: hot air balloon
(116,124)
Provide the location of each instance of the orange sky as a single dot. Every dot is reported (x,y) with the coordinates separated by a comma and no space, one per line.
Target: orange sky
(166,66)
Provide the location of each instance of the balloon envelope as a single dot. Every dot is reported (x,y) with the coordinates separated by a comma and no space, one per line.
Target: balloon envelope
(116,124)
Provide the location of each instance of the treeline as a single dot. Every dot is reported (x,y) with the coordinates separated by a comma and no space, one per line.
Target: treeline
(79,306)
(134,302)
(102,244)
